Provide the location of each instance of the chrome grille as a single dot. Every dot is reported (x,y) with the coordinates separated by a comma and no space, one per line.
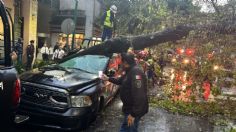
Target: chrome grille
(44,97)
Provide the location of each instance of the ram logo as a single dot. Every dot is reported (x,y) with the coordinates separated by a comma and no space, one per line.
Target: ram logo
(40,95)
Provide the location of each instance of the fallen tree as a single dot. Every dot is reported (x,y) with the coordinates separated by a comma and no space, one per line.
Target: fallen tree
(122,44)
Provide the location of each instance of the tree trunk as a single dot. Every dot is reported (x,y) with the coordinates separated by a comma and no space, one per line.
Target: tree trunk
(122,44)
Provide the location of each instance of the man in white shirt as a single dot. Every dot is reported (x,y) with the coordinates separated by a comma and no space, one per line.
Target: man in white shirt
(45,52)
(58,54)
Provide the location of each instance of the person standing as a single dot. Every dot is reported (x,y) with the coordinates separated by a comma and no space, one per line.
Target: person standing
(19,50)
(56,46)
(108,22)
(45,52)
(133,93)
(30,54)
(58,54)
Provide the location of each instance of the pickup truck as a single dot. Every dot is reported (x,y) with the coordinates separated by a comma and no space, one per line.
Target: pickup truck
(9,83)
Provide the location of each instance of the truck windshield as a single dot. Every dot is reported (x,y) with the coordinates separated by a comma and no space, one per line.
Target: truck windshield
(88,63)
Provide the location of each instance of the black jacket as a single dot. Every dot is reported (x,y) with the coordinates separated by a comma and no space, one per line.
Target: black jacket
(30,50)
(18,48)
(133,92)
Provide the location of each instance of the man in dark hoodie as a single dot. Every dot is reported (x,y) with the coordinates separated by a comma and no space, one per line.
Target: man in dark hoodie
(133,93)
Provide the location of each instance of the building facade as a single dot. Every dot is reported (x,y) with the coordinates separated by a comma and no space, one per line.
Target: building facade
(40,20)
(56,11)
(24,14)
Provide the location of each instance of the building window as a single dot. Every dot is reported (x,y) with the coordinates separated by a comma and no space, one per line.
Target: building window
(78,39)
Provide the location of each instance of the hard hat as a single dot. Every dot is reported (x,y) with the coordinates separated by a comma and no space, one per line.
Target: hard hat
(113,8)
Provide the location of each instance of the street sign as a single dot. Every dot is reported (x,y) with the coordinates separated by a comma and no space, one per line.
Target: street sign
(68,26)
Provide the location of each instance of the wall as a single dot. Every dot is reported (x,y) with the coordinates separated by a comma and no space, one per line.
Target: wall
(29,12)
(44,17)
(85,5)
(92,10)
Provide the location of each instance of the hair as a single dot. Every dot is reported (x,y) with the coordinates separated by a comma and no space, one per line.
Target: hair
(31,41)
(129,58)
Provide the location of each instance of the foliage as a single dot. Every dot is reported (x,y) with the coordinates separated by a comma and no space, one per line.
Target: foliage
(142,16)
(233,130)
(41,63)
(210,51)
(19,68)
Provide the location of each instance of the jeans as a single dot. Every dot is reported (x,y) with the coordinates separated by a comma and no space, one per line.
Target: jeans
(107,33)
(126,128)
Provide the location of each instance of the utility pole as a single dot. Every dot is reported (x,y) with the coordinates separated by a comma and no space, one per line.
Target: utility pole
(75,21)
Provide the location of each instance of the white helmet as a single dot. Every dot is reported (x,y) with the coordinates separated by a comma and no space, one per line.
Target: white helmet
(113,8)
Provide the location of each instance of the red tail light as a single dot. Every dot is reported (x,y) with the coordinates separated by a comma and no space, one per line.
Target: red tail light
(16,93)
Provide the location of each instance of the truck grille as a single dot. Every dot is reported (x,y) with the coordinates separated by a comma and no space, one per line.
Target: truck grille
(44,98)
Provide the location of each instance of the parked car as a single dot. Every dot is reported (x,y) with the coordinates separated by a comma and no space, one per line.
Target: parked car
(68,95)
(9,83)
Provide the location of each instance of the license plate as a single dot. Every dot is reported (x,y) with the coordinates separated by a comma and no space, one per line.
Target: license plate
(21,118)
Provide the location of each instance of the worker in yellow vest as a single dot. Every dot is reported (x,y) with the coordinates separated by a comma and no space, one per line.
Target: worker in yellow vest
(108,22)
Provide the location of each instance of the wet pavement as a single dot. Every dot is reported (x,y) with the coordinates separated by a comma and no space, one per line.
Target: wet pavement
(157,120)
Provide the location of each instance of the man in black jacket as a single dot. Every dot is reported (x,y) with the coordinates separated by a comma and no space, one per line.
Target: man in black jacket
(30,54)
(133,93)
(19,50)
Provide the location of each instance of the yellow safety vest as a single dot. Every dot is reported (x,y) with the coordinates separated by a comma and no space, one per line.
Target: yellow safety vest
(108,22)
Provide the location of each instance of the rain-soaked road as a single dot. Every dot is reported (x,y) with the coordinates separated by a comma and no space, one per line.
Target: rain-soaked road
(157,120)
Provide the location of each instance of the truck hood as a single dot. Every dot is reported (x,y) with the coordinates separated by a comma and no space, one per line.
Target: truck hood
(68,80)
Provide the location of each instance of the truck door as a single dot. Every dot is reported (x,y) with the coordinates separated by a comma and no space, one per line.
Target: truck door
(9,84)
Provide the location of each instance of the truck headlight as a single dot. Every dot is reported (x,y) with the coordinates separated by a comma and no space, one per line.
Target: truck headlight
(81,101)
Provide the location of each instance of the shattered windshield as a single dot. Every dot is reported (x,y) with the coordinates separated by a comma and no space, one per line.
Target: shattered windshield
(87,63)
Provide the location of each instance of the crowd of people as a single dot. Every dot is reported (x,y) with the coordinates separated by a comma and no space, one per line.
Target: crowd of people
(58,52)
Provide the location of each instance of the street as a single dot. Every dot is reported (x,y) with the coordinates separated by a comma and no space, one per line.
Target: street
(157,120)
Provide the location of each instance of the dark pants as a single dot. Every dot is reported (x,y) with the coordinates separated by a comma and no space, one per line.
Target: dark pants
(107,33)
(29,62)
(19,58)
(126,128)
(45,57)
